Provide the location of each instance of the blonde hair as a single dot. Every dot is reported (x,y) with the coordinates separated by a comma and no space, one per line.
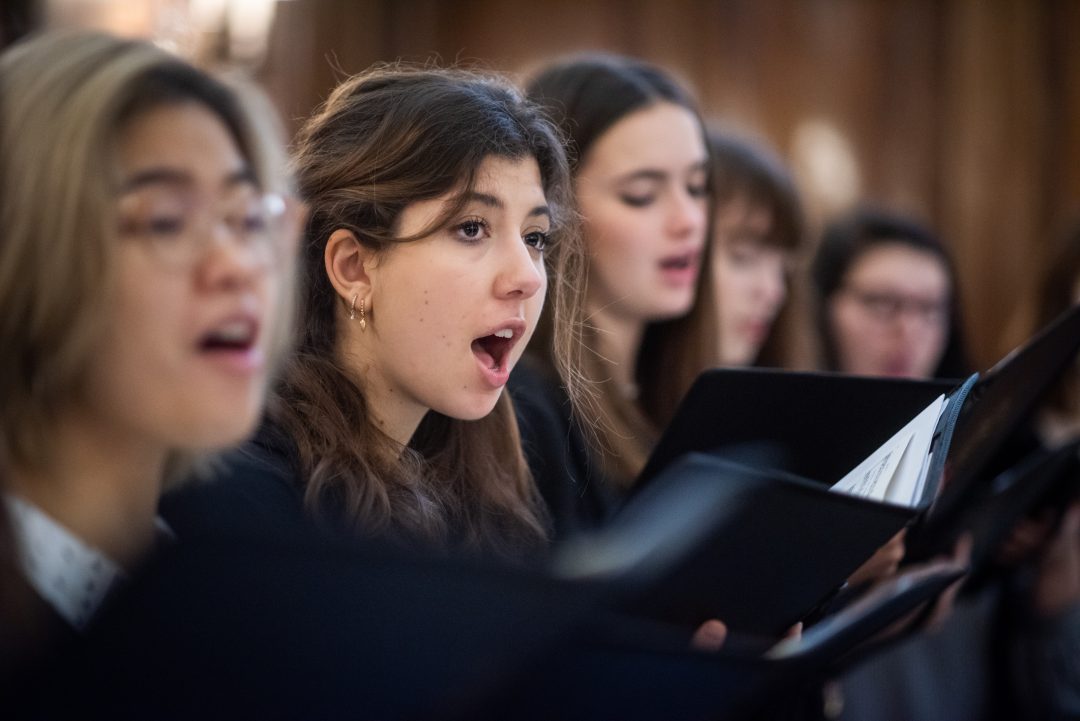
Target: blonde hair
(64,100)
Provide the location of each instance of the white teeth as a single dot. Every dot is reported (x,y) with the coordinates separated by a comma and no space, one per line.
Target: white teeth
(233,332)
(504,333)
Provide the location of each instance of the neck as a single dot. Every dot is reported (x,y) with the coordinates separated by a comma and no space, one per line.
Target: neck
(391,412)
(619,340)
(393,415)
(100,485)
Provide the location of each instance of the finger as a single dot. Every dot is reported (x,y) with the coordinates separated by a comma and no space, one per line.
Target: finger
(962,549)
(709,636)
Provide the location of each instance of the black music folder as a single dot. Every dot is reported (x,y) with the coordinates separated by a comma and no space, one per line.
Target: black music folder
(640,674)
(711,538)
(815,425)
(999,405)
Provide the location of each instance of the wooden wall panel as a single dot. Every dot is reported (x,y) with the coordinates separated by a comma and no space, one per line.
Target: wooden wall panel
(963,112)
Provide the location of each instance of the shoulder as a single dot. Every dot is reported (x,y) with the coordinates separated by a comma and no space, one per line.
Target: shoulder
(253,486)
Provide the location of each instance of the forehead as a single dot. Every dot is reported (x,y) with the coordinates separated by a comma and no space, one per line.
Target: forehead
(662,135)
(900,265)
(510,178)
(510,186)
(186,139)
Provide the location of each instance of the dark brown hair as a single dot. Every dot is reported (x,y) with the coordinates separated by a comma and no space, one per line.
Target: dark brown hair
(742,169)
(587,95)
(386,138)
(846,240)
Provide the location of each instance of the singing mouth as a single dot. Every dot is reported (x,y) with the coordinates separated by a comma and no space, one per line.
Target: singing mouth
(682,261)
(234,334)
(493,350)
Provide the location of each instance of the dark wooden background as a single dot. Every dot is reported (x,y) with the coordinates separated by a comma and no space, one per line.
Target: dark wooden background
(965,113)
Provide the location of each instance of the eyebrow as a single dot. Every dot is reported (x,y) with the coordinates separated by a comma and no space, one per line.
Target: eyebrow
(181,178)
(493,202)
(659,175)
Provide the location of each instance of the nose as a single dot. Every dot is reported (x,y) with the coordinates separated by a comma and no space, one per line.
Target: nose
(686,214)
(520,273)
(910,325)
(229,260)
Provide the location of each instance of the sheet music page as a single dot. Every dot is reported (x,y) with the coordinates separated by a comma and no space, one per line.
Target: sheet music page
(907,480)
(893,472)
(871,478)
(927,456)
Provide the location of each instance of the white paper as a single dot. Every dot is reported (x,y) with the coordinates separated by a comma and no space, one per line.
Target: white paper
(896,471)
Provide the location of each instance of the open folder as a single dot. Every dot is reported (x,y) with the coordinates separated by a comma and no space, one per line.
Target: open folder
(622,677)
(1000,403)
(826,468)
(711,538)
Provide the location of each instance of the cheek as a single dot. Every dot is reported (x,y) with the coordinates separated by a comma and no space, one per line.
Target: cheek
(726,292)
(149,316)
(140,364)
(936,339)
(618,240)
(846,326)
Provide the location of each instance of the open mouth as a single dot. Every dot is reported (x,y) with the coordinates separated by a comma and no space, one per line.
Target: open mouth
(493,350)
(232,336)
(679,262)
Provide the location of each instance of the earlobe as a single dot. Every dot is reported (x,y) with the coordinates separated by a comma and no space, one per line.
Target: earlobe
(347,264)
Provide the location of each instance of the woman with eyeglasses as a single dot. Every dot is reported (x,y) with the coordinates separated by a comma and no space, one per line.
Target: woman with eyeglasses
(143,280)
(887,300)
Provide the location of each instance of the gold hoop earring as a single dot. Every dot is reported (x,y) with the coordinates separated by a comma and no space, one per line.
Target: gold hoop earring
(352,308)
(363,320)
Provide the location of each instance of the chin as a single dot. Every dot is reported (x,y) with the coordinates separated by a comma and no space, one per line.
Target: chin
(472,409)
(229,427)
(739,355)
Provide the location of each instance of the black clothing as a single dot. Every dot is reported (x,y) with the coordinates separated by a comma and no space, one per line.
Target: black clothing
(257,488)
(577,494)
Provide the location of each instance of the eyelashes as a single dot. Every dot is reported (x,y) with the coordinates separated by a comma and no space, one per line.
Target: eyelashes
(695,190)
(473,231)
(537,239)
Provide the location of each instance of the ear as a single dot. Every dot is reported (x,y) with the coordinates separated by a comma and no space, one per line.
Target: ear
(347,264)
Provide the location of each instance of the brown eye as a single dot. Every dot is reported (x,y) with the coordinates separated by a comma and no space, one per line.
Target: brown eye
(472,231)
(538,240)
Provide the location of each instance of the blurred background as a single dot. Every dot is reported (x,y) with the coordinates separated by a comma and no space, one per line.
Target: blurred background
(965,113)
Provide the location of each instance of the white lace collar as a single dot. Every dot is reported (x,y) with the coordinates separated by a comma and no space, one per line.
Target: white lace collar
(71,576)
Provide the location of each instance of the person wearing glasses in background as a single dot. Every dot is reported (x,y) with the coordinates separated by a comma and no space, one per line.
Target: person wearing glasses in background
(143,277)
(888,305)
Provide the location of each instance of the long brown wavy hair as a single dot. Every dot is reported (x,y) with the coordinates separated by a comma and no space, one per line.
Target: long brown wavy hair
(587,95)
(384,139)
